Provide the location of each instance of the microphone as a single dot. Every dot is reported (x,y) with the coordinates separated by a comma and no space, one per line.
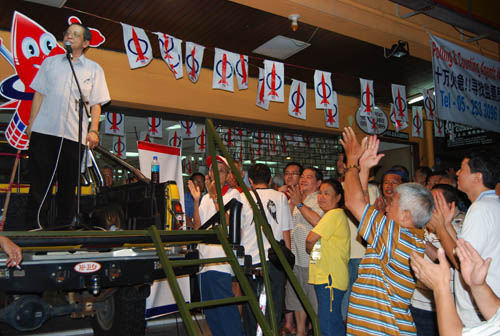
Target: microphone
(69,50)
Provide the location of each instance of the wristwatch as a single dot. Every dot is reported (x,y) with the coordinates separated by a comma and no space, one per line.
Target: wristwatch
(300,205)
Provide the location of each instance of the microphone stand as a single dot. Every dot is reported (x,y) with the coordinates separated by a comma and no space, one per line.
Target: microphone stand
(77,222)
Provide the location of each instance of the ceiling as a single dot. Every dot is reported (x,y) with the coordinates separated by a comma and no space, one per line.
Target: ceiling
(237,28)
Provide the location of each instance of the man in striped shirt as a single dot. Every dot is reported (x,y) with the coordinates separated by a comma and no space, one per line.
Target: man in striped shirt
(380,297)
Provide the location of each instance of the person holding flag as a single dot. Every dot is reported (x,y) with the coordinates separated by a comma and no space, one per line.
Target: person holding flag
(53,125)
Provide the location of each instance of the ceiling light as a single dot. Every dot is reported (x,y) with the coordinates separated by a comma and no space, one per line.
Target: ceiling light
(415,99)
(400,49)
(281,47)
(295,24)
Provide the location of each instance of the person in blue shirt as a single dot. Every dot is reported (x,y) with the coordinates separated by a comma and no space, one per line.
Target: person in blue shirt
(199,180)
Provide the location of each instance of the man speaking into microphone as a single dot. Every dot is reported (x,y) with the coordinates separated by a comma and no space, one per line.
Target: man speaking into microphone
(53,125)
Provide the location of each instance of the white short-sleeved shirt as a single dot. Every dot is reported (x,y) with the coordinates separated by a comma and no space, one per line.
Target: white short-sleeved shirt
(488,328)
(481,228)
(58,114)
(207,251)
(301,229)
(278,216)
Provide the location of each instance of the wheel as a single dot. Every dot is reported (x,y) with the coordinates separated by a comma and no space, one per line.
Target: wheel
(122,314)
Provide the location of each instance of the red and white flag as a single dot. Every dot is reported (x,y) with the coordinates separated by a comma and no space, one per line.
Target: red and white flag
(429,104)
(323,89)
(262,100)
(367,97)
(114,124)
(171,53)
(241,71)
(223,74)
(259,143)
(200,142)
(155,126)
(137,45)
(332,115)
(274,145)
(297,99)
(194,60)
(399,101)
(417,122)
(174,138)
(188,129)
(274,81)
(398,123)
(228,136)
(439,128)
(120,146)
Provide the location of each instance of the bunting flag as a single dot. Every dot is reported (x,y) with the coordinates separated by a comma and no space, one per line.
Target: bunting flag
(144,136)
(241,70)
(120,146)
(323,89)
(174,138)
(297,99)
(259,143)
(188,165)
(200,143)
(429,104)
(223,74)
(398,123)
(367,97)
(438,128)
(188,129)
(332,115)
(155,127)
(417,122)
(399,100)
(274,147)
(290,140)
(171,53)
(262,100)
(114,124)
(137,46)
(228,137)
(194,60)
(274,81)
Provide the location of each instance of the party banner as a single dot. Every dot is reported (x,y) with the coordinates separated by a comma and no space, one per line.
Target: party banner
(332,115)
(194,60)
(174,138)
(400,102)
(398,123)
(241,70)
(155,127)
(188,129)
(439,128)
(137,46)
(114,123)
(429,104)
(171,53)
(262,101)
(323,89)
(120,146)
(297,99)
(367,97)
(223,74)
(274,81)
(200,142)
(467,85)
(417,129)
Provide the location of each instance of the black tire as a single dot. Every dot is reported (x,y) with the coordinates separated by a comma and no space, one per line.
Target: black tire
(124,313)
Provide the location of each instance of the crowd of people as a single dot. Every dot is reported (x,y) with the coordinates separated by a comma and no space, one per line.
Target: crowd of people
(371,259)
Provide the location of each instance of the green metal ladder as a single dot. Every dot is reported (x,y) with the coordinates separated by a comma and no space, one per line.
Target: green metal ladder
(221,232)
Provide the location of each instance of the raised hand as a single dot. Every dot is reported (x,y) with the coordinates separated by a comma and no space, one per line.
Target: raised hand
(447,212)
(369,157)
(194,190)
(353,149)
(295,194)
(434,276)
(472,266)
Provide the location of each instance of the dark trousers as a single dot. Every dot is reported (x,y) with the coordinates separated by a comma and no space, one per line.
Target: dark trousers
(43,153)
(425,321)
(277,279)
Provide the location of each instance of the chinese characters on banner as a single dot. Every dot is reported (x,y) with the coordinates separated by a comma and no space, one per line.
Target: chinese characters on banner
(467,85)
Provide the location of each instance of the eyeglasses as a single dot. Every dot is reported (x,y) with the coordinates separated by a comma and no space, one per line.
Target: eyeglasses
(73,34)
(292,174)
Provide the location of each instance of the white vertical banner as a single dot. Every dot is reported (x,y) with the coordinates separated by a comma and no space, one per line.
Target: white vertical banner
(274,146)
(367,97)
(223,74)
(439,128)
(398,123)
(188,129)
(171,53)
(262,101)
(429,104)
(120,146)
(114,123)
(323,89)
(297,99)
(417,129)
(200,142)
(332,115)
(174,138)
(155,127)
(400,102)
(194,60)
(467,85)
(274,81)
(137,46)
(241,71)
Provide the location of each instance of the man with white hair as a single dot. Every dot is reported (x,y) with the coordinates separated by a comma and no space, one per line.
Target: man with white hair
(380,297)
